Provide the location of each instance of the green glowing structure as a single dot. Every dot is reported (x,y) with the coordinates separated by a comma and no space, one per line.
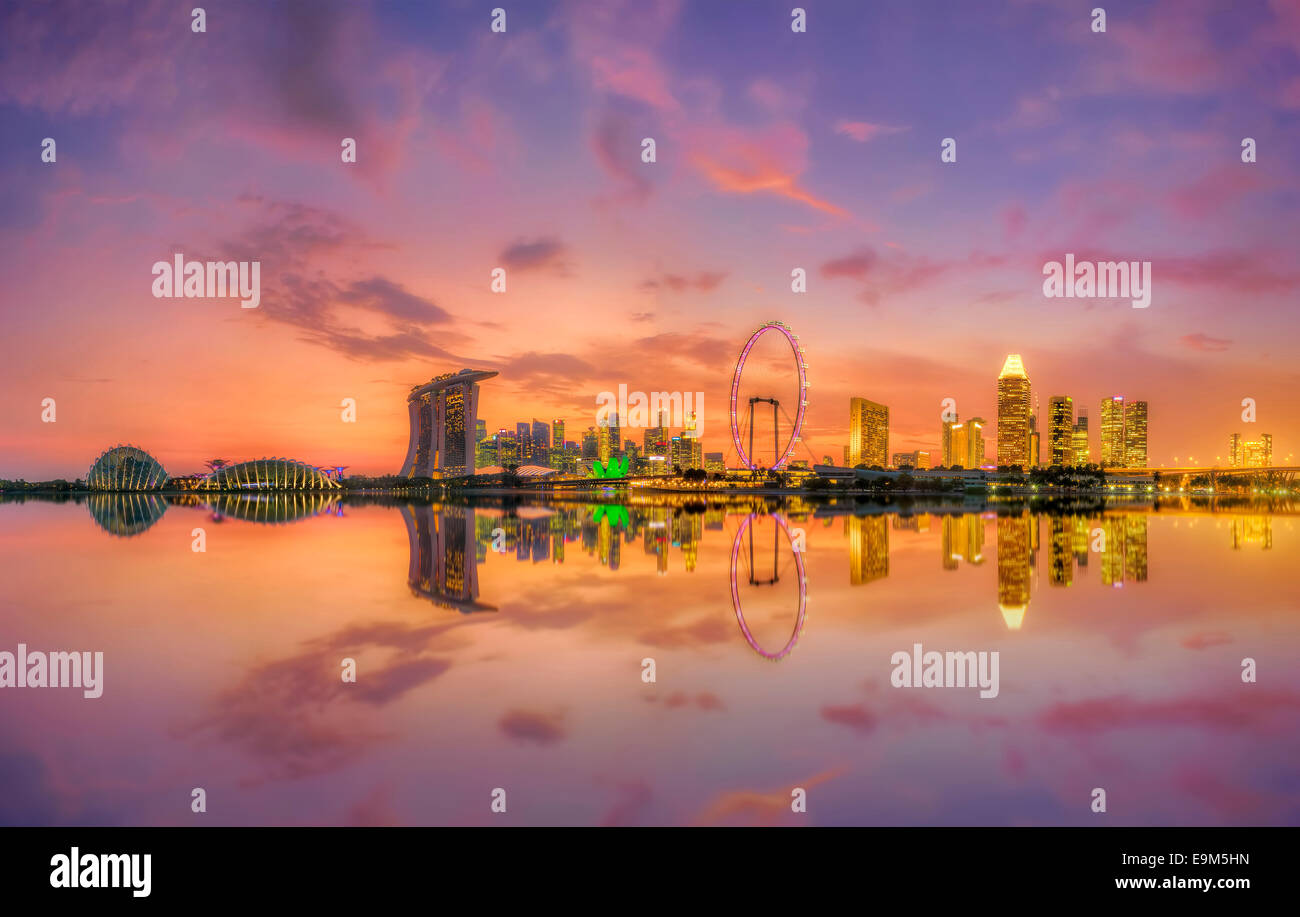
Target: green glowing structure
(615,468)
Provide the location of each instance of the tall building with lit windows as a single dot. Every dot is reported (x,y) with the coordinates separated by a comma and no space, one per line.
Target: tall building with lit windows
(1252,453)
(1013,413)
(946,428)
(868,433)
(1135,434)
(443,416)
(1060,430)
(1079,437)
(1112,431)
(966,444)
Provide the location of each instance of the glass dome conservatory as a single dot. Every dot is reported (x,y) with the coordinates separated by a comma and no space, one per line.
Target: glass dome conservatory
(126,468)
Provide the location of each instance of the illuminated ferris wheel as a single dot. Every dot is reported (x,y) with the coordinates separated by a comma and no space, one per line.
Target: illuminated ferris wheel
(746,458)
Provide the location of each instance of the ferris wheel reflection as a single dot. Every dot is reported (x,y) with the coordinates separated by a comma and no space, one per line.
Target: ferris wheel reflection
(740,542)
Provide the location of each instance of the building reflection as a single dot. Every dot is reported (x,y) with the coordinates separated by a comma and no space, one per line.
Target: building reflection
(1252,531)
(126,514)
(962,539)
(1015,565)
(445,555)
(868,548)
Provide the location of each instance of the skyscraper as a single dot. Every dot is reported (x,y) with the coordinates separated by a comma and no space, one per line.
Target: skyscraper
(868,433)
(1234,451)
(1253,453)
(524,441)
(945,441)
(973,456)
(1135,434)
(1112,431)
(1060,430)
(1079,437)
(1013,413)
(443,414)
(557,434)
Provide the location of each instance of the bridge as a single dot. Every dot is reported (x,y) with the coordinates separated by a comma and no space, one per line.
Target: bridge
(1275,474)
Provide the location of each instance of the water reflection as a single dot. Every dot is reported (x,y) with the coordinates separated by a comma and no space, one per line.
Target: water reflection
(545,691)
(745,539)
(445,554)
(125,514)
(271,508)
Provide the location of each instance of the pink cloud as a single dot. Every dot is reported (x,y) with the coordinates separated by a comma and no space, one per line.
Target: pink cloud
(768,161)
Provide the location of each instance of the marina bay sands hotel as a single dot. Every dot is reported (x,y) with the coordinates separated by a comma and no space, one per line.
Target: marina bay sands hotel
(444,412)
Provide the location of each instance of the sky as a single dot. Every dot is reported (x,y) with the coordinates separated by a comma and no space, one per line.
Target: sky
(522,150)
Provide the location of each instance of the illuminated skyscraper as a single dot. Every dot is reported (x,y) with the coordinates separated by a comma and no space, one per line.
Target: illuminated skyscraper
(1135,434)
(590,445)
(443,415)
(868,433)
(957,446)
(1257,453)
(604,443)
(1112,431)
(1235,455)
(946,428)
(1079,438)
(541,435)
(1060,430)
(524,441)
(507,449)
(615,435)
(557,434)
(1013,413)
(973,447)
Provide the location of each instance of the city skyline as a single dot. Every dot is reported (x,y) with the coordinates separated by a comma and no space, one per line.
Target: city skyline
(920,274)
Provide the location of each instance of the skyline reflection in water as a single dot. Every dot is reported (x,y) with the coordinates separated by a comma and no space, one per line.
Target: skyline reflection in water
(501,644)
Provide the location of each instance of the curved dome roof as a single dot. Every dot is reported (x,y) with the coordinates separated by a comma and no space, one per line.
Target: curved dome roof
(269,474)
(126,468)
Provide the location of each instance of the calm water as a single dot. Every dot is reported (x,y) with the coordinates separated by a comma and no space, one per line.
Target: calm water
(502,646)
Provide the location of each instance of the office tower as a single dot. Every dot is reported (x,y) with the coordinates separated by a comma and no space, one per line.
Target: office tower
(1013,413)
(443,411)
(1060,430)
(1235,454)
(957,446)
(1112,431)
(480,430)
(1079,437)
(945,442)
(541,434)
(604,446)
(868,433)
(1135,434)
(524,441)
(1257,453)
(507,448)
(972,455)
(615,435)
(590,445)
(1035,456)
